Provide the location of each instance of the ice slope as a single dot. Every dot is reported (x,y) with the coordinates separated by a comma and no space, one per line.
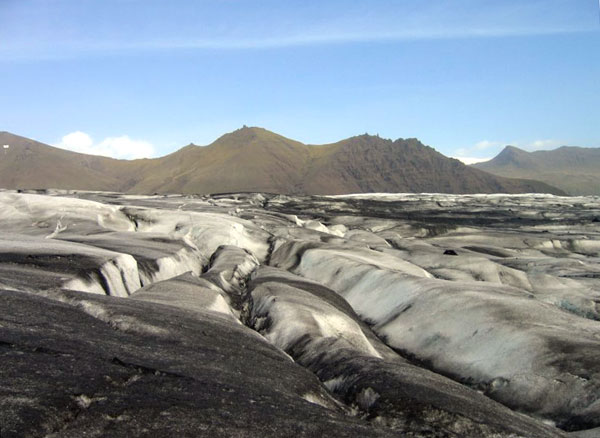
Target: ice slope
(554,280)
(158,256)
(323,334)
(525,353)
(206,231)
(189,292)
(48,216)
(30,263)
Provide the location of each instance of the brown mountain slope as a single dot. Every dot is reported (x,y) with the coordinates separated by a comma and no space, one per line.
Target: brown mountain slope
(28,164)
(251,159)
(573,169)
(254,159)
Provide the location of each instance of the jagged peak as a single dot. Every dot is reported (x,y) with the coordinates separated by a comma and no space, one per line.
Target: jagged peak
(367,138)
(246,128)
(409,140)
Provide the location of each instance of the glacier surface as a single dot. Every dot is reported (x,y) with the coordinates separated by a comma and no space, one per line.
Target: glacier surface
(424,315)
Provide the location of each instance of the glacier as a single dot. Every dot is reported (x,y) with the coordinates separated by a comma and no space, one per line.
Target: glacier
(245,314)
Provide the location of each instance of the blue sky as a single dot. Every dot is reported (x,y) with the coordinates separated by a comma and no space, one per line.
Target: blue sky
(133,78)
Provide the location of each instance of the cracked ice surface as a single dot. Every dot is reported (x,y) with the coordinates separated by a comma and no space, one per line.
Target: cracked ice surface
(418,313)
(512,310)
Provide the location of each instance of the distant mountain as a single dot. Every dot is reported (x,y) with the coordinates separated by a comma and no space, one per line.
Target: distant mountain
(254,159)
(573,169)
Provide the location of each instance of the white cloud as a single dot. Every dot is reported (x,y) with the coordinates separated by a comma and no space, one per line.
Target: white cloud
(471,160)
(466,154)
(486,144)
(77,141)
(121,147)
(542,145)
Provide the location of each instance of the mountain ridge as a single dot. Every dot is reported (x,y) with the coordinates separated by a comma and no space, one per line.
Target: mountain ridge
(572,169)
(255,159)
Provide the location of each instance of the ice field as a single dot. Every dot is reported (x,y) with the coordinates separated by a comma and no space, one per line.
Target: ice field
(417,315)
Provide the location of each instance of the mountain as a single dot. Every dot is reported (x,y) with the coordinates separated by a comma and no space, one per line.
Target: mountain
(28,164)
(372,164)
(254,159)
(575,170)
(248,159)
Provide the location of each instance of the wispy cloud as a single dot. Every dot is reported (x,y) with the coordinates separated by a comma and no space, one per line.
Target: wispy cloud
(85,29)
(121,147)
(486,144)
(60,49)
